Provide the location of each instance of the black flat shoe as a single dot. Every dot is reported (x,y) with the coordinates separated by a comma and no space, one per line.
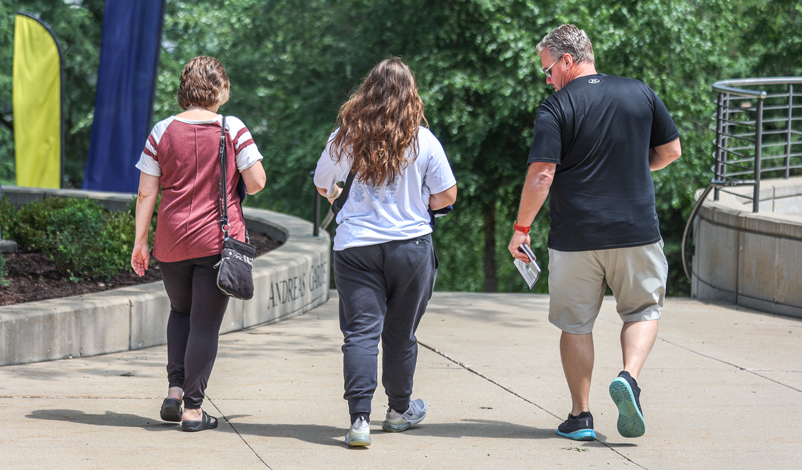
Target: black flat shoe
(171,410)
(205,423)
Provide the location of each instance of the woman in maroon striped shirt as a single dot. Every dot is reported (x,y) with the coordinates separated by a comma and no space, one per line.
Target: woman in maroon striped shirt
(181,158)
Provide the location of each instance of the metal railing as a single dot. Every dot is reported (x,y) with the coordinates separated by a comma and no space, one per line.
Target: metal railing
(758,132)
(757,135)
(317,224)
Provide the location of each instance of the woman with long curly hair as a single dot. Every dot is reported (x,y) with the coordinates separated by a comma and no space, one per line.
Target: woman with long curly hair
(384,261)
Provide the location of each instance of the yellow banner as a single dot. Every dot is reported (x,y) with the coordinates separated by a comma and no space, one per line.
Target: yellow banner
(37,105)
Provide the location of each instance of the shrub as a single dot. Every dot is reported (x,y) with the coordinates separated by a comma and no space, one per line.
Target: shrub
(3,272)
(76,241)
(8,217)
(27,225)
(78,235)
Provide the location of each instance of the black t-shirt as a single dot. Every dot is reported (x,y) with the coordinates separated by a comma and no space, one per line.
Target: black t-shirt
(598,129)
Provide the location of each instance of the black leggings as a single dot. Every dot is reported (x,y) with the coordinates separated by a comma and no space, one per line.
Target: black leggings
(197,307)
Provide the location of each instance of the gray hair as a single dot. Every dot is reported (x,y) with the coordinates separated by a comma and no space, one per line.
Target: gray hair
(568,39)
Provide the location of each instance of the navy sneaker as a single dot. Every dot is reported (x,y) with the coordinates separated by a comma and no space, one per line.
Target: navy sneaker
(625,393)
(578,428)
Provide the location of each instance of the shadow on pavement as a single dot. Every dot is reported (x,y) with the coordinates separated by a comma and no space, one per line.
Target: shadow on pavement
(312,433)
(109,418)
(330,435)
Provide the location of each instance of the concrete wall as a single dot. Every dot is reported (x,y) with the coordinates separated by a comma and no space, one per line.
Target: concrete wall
(288,281)
(749,259)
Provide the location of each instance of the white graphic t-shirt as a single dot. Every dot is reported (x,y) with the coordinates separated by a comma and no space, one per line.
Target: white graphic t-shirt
(394,211)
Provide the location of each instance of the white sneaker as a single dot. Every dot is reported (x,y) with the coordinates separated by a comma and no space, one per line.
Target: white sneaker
(397,422)
(359,434)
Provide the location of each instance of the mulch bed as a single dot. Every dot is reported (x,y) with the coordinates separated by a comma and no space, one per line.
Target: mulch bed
(33,277)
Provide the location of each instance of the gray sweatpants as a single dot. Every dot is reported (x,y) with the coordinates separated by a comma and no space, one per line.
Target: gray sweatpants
(384,290)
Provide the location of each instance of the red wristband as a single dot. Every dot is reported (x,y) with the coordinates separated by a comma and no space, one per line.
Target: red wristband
(520,228)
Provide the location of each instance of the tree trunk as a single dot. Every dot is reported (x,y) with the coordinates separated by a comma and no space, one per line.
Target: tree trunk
(489,251)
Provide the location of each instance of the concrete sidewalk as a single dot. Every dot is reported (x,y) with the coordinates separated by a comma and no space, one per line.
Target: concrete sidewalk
(722,389)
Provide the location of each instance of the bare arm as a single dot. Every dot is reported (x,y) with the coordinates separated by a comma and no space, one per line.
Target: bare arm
(254,177)
(443,199)
(661,156)
(536,189)
(335,195)
(145,203)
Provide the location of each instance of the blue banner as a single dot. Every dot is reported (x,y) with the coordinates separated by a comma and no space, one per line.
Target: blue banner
(129,60)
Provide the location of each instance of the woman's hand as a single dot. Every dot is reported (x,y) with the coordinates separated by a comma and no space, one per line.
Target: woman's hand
(140,258)
(334,195)
(337,191)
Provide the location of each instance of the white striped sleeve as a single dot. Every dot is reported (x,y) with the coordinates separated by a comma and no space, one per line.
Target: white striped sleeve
(247,154)
(149,160)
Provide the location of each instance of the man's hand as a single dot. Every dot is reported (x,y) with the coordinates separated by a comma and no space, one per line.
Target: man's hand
(517,240)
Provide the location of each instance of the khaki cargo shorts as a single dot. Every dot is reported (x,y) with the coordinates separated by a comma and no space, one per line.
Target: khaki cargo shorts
(636,275)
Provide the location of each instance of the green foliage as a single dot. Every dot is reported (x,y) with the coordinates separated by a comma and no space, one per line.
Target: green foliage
(81,239)
(773,39)
(30,225)
(74,240)
(8,216)
(3,271)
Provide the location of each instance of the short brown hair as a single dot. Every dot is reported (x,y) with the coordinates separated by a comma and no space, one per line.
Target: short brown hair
(568,39)
(204,83)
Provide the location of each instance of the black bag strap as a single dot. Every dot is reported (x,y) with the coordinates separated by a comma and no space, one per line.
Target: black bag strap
(347,187)
(338,203)
(223,201)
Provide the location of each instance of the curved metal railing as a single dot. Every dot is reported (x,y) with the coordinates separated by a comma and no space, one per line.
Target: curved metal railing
(758,132)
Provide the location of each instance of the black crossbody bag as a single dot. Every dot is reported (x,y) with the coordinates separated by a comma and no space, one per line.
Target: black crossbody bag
(235,268)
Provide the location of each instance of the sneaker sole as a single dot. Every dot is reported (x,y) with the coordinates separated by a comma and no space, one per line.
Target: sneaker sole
(630,419)
(581,435)
(389,427)
(358,441)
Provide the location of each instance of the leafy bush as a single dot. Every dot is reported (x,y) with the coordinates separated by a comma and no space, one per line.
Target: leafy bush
(3,271)
(80,237)
(75,240)
(29,227)
(7,217)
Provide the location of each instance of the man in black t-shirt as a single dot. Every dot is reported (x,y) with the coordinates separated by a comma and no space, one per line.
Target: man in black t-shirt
(597,140)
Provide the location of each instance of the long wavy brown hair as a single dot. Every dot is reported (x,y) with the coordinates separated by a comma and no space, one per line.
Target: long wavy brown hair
(379,123)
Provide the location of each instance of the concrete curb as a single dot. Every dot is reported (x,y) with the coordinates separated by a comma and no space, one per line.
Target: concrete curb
(288,281)
(746,258)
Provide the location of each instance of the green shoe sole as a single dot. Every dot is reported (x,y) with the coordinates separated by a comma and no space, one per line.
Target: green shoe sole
(630,419)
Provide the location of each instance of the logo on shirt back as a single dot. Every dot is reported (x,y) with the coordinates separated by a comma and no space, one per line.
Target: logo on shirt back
(594,81)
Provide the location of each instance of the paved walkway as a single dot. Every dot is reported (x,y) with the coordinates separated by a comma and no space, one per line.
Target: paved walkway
(722,389)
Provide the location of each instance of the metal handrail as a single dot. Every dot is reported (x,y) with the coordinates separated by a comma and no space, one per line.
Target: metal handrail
(767,131)
(777,139)
(728,86)
(317,224)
